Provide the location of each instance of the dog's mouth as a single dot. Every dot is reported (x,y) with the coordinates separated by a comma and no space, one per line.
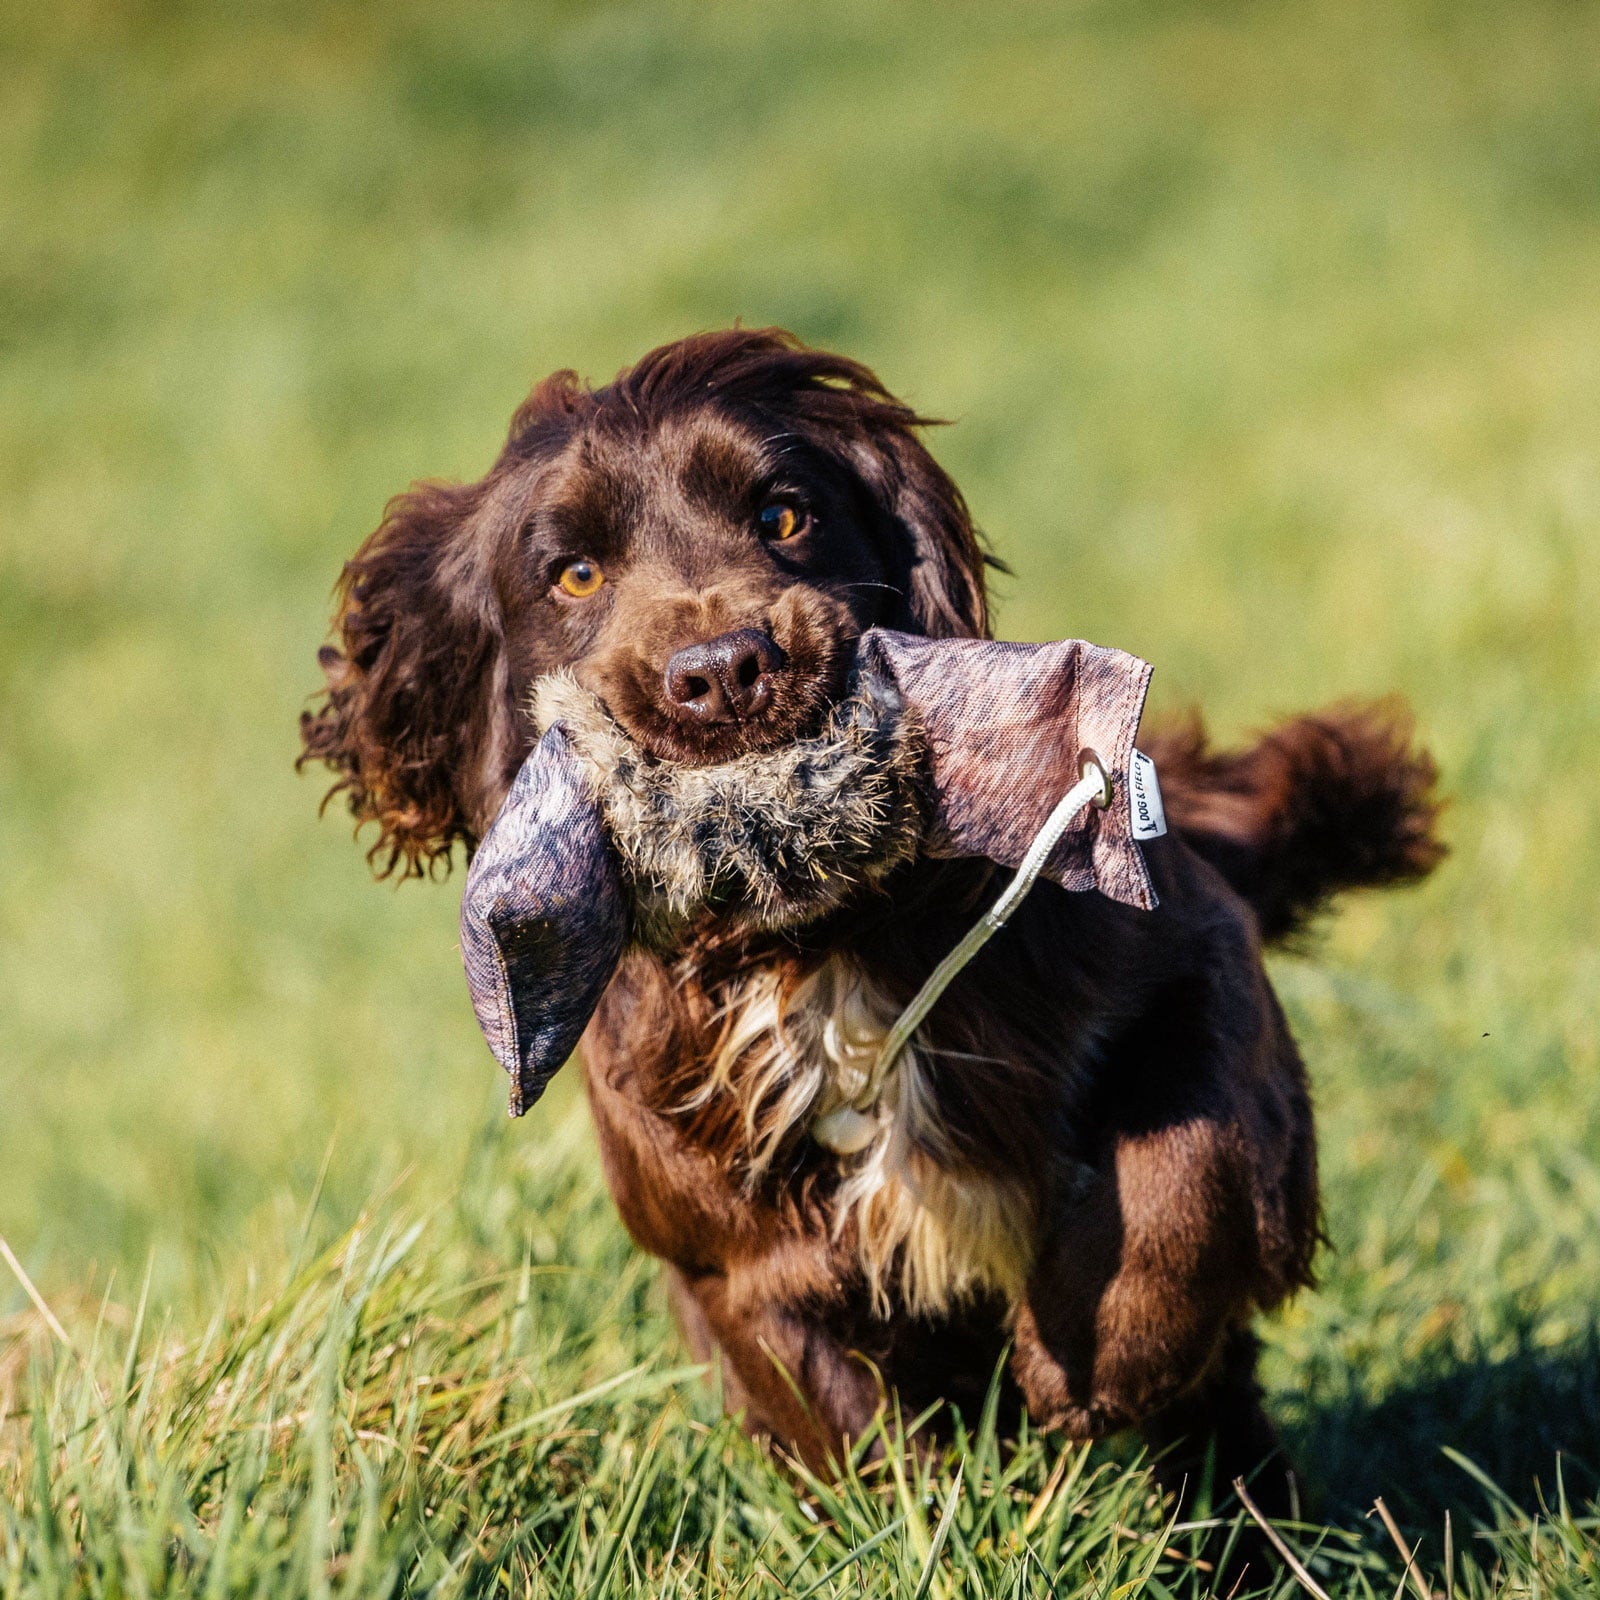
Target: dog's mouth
(779,834)
(795,710)
(757,687)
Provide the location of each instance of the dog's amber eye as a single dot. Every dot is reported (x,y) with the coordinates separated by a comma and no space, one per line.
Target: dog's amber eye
(580,579)
(779,521)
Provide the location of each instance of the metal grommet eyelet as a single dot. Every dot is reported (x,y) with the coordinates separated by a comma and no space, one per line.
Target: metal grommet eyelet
(1090,760)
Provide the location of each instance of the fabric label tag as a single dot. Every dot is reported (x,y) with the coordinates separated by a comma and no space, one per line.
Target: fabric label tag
(1144,790)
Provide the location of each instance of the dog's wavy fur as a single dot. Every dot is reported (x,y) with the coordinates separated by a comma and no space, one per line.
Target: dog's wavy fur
(922,1225)
(1100,1152)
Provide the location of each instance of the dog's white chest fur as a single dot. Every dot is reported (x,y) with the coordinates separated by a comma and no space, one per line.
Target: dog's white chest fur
(929,1230)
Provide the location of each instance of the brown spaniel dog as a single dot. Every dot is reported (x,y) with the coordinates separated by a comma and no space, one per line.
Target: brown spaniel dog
(1102,1152)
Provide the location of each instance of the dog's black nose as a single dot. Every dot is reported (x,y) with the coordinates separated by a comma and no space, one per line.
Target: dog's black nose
(726,679)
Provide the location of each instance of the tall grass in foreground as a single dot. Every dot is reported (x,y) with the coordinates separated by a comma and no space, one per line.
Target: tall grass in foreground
(397,1411)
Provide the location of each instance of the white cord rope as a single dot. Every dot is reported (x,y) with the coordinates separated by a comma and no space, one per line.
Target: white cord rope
(1093,788)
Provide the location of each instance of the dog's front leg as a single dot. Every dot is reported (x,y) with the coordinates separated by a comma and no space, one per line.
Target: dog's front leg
(783,1367)
(1136,1282)
(1136,1310)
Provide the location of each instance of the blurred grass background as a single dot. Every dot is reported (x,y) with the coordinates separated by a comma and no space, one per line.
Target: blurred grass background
(1270,331)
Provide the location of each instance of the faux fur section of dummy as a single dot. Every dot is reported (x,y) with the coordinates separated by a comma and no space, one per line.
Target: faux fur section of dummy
(769,840)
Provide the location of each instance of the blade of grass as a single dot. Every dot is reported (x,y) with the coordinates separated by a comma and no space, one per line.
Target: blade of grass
(1408,1556)
(853,1556)
(940,1534)
(33,1294)
(1290,1559)
(559,1408)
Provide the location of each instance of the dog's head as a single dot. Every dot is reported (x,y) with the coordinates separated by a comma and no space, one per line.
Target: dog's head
(700,543)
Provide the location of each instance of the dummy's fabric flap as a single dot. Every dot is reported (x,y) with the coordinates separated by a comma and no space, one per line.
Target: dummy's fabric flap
(543,919)
(1004,724)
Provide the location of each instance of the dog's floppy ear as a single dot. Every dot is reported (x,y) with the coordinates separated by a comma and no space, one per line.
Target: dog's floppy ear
(943,586)
(418,717)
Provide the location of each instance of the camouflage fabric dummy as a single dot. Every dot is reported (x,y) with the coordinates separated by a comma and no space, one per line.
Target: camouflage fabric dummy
(940,748)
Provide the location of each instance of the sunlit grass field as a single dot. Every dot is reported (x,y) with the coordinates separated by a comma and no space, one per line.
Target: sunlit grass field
(1271,337)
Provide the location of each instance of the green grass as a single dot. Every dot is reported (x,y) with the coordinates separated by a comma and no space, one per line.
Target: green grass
(1270,332)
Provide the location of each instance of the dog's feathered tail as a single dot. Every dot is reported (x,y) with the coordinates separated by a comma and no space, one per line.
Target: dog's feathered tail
(1336,800)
